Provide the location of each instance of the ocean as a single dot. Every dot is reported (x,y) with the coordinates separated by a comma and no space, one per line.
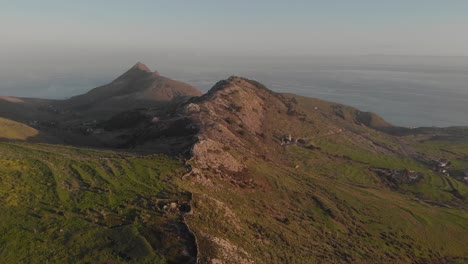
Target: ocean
(406,91)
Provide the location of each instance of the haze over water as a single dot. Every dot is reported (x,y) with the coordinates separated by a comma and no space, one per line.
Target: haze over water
(407,91)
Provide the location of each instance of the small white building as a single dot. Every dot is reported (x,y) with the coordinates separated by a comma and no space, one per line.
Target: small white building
(443,163)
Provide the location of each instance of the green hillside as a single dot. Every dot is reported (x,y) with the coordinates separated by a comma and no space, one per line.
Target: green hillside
(68,205)
(327,206)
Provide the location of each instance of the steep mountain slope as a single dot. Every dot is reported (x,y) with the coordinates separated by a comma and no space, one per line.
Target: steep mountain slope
(136,88)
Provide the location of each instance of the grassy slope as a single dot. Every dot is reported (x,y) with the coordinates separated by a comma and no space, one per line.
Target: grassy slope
(68,205)
(15,131)
(339,212)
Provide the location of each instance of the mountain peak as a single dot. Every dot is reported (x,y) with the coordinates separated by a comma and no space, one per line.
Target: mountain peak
(236,82)
(135,72)
(140,66)
(136,86)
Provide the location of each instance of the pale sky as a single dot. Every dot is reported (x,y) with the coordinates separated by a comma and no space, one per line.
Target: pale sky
(294,27)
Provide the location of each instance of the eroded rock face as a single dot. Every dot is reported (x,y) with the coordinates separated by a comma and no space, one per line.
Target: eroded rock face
(191,108)
(212,156)
(238,98)
(228,115)
(229,252)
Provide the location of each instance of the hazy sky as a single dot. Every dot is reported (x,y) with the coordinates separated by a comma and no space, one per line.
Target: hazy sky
(236,27)
(58,48)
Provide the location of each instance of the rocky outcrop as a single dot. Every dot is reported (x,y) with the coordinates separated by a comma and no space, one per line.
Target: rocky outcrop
(239,121)
(230,115)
